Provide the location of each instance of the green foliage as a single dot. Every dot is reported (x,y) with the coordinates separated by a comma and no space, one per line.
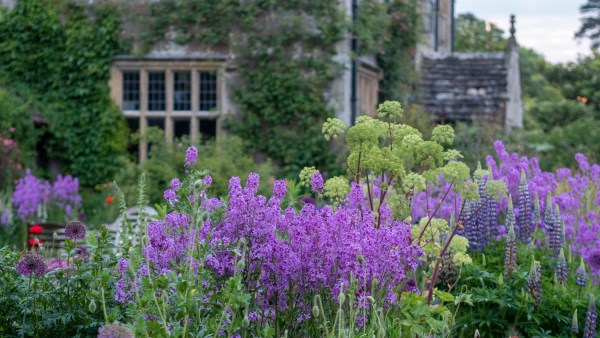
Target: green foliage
(29,307)
(223,159)
(395,57)
(502,306)
(475,35)
(590,23)
(59,56)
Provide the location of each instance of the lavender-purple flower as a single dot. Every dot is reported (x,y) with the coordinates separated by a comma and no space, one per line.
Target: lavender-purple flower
(32,263)
(75,231)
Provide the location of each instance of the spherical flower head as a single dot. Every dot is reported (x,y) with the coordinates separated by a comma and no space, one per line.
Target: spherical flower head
(391,110)
(175,184)
(332,128)
(191,156)
(31,263)
(316,182)
(75,231)
(114,330)
(169,195)
(36,229)
(443,134)
(207,180)
(279,189)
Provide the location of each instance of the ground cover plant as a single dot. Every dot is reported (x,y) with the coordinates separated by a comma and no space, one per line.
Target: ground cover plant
(408,243)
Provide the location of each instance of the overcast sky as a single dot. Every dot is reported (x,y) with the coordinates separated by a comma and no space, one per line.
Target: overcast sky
(547,26)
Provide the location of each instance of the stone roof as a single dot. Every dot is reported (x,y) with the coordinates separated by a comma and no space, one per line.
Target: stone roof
(464,86)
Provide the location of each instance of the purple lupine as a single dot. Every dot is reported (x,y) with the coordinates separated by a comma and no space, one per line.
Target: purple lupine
(555,233)
(534,282)
(482,216)
(75,231)
(549,222)
(561,268)
(590,320)
(32,263)
(207,180)
(524,205)
(471,226)
(510,251)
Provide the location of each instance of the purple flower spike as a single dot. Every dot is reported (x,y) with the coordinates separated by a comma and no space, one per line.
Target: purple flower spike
(316,182)
(279,189)
(75,231)
(31,263)
(191,156)
(207,180)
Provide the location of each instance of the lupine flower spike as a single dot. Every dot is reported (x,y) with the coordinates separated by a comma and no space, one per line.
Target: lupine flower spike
(561,268)
(590,320)
(534,283)
(549,220)
(556,236)
(510,253)
(581,279)
(524,204)
(574,323)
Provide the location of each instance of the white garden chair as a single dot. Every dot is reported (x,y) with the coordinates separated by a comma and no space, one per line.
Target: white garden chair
(134,216)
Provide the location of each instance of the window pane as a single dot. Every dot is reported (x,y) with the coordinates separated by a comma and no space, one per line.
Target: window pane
(181,127)
(156,122)
(156,91)
(131,90)
(133,148)
(208,91)
(182,84)
(208,129)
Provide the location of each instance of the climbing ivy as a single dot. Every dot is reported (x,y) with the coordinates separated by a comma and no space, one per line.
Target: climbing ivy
(58,54)
(396,56)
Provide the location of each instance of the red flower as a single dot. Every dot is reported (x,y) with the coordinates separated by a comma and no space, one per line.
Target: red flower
(109,200)
(36,229)
(35,242)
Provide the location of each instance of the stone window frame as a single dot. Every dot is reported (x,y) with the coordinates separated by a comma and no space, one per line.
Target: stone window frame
(123,64)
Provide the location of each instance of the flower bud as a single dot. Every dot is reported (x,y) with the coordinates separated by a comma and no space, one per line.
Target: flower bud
(245,322)
(341,297)
(381,332)
(315,311)
(361,259)
(240,264)
(500,280)
(371,300)
(92,306)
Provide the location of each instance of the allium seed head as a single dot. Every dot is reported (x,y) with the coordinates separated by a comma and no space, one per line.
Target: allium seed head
(75,231)
(31,263)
